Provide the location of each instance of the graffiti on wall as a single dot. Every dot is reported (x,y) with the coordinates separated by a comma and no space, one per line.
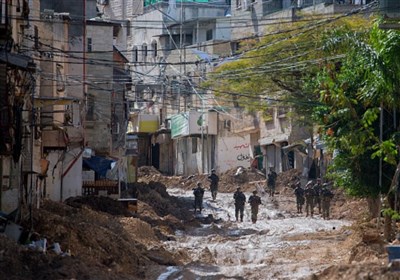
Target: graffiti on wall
(234,152)
(241,146)
(243,156)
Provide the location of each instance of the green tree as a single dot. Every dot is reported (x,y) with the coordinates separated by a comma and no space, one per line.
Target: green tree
(360,101)
(273,69)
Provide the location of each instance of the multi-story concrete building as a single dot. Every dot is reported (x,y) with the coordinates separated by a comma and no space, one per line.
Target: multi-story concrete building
(172,46)
(253,19)
(17,125)
(64,95)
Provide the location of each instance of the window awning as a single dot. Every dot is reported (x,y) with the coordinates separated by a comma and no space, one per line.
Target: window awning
(273,139)
(299,146)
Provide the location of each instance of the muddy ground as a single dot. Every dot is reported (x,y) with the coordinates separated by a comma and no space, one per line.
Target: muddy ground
(101,239)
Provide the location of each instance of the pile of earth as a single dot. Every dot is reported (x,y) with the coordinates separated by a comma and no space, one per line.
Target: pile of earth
(102,239)
(99,238)
(228,180)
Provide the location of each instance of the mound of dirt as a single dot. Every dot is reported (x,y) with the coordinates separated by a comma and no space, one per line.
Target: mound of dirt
(147,171)
(228,181)
(103,239)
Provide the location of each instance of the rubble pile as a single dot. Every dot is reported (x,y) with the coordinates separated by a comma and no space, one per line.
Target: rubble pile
(146,174)
(229,180)
(287,179)
(103,239)
(99,238)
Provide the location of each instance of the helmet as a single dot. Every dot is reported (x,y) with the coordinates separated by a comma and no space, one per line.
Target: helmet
(212,170)
(309,183)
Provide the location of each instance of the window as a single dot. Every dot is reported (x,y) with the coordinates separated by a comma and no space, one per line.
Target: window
(154,48)
(194,145)
(144,52)
(209,35)
(36,37)
(89,44)
(60,78)
(90,107)
(227,124)
(135,54)
(128,28)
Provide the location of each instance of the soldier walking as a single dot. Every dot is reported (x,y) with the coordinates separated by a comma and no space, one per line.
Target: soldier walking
(198,197)
(271,181)
(309,195)
(240,200)
(255,202)
(317,194)
(299,193)
(214,179)
(326,197)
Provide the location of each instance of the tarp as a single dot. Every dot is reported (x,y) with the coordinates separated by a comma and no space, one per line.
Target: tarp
(203,55)
(98,164)
(273,139)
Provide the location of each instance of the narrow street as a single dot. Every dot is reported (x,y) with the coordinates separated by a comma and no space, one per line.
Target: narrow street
(276,247)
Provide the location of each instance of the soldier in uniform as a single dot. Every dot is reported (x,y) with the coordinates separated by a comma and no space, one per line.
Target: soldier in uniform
(326,197)
(317,194)
(214,179)
(299,193)
(271,181)
(254,201)
(240,200)
(309,195)
(198,197)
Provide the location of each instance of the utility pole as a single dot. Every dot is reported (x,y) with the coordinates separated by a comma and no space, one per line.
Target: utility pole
(180,58)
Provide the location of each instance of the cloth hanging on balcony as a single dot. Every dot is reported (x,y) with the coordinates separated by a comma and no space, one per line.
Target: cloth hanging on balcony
(98,164)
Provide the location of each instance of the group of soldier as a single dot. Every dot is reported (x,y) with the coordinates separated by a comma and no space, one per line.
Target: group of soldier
(239,198)
(198,192)
(315,194)
(240,201)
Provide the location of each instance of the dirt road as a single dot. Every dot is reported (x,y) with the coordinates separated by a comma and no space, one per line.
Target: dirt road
(165,240)
(280,245)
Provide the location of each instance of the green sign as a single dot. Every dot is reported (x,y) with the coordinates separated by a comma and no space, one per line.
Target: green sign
(180,125)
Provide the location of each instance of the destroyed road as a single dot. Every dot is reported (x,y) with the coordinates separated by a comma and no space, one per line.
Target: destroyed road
(226,249)
(165,240)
